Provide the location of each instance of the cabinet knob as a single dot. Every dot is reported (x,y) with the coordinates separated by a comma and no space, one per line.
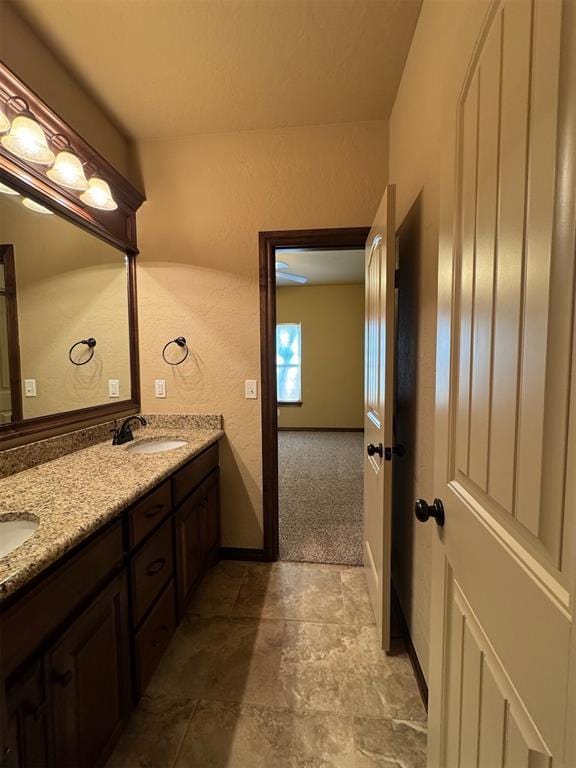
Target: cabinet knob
(372,449)
(64,679)
(156,566)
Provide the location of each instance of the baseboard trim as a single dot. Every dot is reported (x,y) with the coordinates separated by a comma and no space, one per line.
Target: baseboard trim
(242,553)
(415,661)
(320,429)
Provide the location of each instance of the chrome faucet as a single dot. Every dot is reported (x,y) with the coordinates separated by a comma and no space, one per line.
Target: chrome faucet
(124,434)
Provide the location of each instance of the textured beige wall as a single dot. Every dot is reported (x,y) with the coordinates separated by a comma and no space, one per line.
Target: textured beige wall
(415,145)
(33,62)
(332,319)
(208,197)
(70,285)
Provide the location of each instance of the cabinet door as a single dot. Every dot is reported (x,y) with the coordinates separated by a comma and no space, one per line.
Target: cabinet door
(88,670)
(189,537)
(211,519)
(27,736)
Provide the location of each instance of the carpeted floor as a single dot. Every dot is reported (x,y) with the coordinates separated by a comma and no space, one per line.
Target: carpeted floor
(320,496)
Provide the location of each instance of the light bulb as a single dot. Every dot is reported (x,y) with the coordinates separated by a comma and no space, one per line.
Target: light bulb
(34,206)
(27,140)
(98,195)
(4,122)
(7,190)
(67,171)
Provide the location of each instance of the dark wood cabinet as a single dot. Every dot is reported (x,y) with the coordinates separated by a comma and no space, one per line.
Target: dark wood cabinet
(211,519)
(189,543)
(81,642)
(153,637)
(197,535)
(27,741)
(151,569)
(88,674)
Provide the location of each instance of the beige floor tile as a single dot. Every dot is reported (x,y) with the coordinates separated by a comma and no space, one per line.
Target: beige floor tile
(154,733)
(219,589)
(225,735)
(285,661)
(334,668)
(298,592)
(389,743)
(357,605)
(222,658)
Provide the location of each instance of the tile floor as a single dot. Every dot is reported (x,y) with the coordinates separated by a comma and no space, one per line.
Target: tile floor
(277,666)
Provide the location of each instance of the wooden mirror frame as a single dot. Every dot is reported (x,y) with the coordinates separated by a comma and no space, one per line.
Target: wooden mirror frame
(117,228)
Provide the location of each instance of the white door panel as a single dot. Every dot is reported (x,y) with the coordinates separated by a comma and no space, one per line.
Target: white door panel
(503,572)
(378,412)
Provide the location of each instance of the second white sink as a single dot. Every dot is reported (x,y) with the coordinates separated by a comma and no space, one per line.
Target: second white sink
(156,446)
(13,533)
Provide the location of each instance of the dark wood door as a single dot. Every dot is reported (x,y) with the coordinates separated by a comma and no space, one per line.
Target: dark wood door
(211,519)
(189,547)
(26,744)
(88,671)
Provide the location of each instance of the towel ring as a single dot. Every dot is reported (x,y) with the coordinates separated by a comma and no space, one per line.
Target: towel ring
(90,343)
(180,341)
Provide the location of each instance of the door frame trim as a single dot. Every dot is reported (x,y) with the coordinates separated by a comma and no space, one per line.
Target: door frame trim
(336,239)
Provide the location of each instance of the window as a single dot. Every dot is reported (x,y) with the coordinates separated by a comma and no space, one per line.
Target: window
(289,362)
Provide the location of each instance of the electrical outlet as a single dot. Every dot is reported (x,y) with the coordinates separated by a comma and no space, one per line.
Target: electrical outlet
(160,387)
(251,389)
(113,387)
(30,387)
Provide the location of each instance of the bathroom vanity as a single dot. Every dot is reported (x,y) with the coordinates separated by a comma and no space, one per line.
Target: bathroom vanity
(82,637)
(119,535)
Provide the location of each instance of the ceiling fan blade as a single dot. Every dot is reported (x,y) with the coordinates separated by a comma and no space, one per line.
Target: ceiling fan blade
(291,277)
(281,265)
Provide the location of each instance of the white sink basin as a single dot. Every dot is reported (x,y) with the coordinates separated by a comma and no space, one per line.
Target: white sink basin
(155,446)
(13,533)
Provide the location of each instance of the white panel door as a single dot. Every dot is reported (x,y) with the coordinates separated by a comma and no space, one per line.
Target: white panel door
(503,564)
(378,410)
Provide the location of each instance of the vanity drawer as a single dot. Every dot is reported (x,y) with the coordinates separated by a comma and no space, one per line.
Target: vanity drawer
(151,569)
(190,476)
(154,636)
(149,512)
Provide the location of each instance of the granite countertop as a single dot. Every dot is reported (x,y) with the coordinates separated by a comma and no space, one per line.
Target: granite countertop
(73,496)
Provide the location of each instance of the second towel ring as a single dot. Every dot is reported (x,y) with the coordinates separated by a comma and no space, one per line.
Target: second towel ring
(180,341)
(90,343)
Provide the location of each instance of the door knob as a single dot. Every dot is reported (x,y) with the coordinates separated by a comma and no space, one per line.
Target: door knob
(375,449)
(425,511)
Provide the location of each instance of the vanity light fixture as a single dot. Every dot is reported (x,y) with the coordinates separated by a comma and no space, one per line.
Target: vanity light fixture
(4,190)
(67,169)
(98,195)
(4,122)
(26,138)
(34,206)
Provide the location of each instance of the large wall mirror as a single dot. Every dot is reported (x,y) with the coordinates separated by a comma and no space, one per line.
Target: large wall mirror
(68,335)
(62,289)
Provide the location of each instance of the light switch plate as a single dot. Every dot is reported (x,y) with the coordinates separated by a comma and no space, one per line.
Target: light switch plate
(113,387)
(160,387)
(251,389)
(30,387)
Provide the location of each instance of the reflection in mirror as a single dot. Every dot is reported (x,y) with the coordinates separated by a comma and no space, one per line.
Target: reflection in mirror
(59,285)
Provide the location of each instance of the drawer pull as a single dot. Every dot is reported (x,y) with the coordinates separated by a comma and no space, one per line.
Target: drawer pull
(156,566)
(63,680)
(153,511)
(163,628)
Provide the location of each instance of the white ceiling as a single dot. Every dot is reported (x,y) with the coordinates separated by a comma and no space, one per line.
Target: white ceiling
(178,67)
(321,267)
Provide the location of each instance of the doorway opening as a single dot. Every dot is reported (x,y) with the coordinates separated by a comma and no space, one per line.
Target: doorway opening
(312,316)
